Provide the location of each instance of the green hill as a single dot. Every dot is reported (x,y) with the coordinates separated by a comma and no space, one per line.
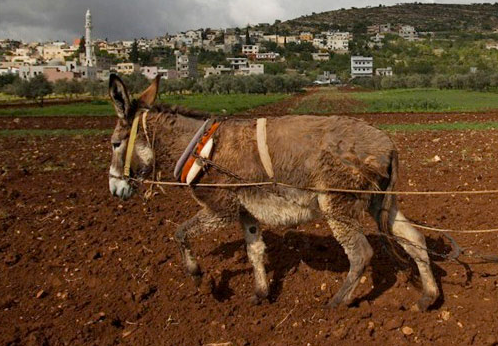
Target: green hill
(424,17)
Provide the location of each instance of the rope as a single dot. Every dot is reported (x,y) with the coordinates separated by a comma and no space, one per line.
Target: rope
(266,183)
(317,189)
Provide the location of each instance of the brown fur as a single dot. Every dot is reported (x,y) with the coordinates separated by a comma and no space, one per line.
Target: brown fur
(324,152)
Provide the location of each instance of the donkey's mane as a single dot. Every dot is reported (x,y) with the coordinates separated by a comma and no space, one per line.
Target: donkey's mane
(174,109)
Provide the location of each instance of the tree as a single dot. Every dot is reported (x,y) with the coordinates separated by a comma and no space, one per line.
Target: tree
(136,82)
(95,87)
(134,54)
(8,78)
(81,48)
(61,87)
(248,38)
(36,89)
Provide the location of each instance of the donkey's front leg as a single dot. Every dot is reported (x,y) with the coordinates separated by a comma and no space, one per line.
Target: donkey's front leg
(205,220)
(185,230)
(255,252)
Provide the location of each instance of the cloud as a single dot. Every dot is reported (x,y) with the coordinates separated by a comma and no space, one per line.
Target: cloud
(126,19)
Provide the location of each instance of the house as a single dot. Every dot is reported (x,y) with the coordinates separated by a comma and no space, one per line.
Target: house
(186,65)
(150,72)
(338,41)
(492,45)
(326,78)
(270,38)
(53,72)
(8,70)
(376,41)
(58,51)
(306,36)
(238,67)
(232,39)
(318,43)
(126,68)
(321,56)
(251,69)
(270,56)
(237,63)
(408,33)
(216,71)
(361,66)
(248,49)
(384,72)
(378,29)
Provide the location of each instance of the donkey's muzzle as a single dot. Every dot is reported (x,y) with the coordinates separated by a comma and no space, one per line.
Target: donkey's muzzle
(120,188)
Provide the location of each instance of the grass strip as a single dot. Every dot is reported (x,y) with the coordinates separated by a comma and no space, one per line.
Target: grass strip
(54,132)
(457,126)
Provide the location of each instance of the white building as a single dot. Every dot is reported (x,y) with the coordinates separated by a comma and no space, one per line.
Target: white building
(270,56)
(361,66)
(385,72)
(251,69)
(237,63)
(150,72)
(126,68)
(238,67)
(318,42)
(408,33)
(89,54)
(338,41)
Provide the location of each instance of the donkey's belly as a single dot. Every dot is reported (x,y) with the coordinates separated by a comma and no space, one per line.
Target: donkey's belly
(275,210)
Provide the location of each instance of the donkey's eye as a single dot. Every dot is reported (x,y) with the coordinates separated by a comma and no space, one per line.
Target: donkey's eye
(116,145)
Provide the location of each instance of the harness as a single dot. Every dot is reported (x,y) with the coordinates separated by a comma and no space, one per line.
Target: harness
(131,141)
(193,160)
(190,165)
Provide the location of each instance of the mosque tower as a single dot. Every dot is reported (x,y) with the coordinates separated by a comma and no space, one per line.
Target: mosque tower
(89,59)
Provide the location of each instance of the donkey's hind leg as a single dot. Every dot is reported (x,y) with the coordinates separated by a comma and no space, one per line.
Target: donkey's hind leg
(414,244)
(359,253)
(202,221)
(347,232)
(255,252)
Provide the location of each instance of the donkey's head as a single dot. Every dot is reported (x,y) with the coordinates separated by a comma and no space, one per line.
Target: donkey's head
(142,155)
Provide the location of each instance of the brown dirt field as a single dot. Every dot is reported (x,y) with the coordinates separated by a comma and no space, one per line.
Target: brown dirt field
(104,122)
(79,267)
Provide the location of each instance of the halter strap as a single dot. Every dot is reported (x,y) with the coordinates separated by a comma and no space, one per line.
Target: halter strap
(131,145)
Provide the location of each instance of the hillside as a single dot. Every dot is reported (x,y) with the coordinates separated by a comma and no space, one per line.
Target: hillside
(425,17)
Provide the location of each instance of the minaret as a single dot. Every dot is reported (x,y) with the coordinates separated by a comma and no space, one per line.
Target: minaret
(88,39)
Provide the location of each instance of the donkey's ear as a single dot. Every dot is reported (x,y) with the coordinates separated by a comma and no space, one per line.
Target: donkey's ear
(119,95)
(149,95)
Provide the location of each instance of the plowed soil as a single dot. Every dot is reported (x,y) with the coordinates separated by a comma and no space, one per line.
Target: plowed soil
(78,267)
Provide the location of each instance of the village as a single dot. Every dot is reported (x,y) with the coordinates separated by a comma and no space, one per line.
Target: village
(246,51)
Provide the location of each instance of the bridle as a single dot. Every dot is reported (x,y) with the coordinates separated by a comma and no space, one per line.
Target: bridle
(141,113)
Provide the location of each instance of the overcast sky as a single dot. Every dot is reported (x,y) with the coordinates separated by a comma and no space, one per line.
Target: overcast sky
(40,20)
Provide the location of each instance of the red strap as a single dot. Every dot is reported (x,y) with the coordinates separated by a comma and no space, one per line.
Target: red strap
(202,143)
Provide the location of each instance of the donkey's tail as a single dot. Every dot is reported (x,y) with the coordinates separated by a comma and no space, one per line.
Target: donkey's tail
(388,201)
(386,216)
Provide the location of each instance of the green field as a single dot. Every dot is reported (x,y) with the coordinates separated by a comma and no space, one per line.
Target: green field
(221,104)
(229,104)
(330,101)
(426,100)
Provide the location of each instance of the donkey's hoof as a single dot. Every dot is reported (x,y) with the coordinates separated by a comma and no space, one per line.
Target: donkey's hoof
(197,279)
(337,302)
(255,300)
(259,296)
(424,303)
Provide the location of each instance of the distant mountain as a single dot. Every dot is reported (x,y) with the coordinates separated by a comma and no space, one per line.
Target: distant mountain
(424,17)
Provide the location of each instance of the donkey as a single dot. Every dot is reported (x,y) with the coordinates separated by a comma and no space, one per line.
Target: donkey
(306,151)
